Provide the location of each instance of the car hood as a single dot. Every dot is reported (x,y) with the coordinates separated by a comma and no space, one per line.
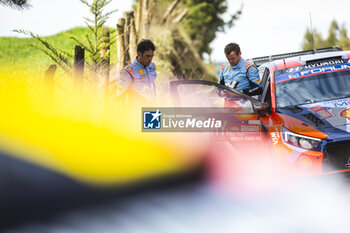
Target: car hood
(330,117)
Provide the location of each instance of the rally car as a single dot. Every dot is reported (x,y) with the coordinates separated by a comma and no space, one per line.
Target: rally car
(303,111)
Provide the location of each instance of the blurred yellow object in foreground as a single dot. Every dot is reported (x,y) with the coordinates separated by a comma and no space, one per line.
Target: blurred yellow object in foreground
(91,140)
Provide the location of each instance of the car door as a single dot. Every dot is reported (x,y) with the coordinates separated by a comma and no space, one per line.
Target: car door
(238,110)
(201,93)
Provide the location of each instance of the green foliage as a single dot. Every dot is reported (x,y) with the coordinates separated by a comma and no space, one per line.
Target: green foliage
(26,63)
(181,46)
(204,19)
(92,42)
(57,55)
(332,33)
(16,52)
(15,3)
(337,36)
(344,40)
(313,40)
(95,25)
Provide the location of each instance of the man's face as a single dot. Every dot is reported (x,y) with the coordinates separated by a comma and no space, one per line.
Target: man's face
(233,58)
(146,57)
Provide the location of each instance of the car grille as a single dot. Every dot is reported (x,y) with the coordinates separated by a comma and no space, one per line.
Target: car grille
(336,157)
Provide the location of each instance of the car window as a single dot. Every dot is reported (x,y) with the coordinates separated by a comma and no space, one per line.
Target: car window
(202,95)
(261,71)
(264,73)
(315,87)
(266,95)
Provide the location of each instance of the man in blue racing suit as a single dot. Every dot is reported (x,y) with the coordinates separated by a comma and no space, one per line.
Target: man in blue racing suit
(137,79)
(239,73)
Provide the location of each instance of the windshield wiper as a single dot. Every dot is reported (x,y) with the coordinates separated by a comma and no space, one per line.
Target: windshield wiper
(342,97)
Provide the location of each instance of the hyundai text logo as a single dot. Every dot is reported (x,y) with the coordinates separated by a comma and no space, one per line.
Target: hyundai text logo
(294,69)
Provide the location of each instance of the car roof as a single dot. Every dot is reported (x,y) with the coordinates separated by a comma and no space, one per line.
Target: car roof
(287,60)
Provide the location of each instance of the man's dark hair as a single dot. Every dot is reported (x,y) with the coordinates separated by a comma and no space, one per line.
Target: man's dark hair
(145,45)
(232,47)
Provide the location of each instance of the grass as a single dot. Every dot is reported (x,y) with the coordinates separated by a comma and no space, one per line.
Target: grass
(19,54)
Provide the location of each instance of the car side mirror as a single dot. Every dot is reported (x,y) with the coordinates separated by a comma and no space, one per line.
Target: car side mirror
(261,106)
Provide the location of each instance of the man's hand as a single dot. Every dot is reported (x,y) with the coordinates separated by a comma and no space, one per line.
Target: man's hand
(253,91)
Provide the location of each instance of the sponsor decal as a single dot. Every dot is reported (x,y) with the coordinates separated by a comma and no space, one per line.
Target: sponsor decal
(332,103)
(229,67)
(250,128)
(345,114)
(322,112)
(324,63)
(319,70)
(341,103)
(347,165)
(232,84)
(315,65)
(305,162)
(223,66)
(294,69)
(141,71)
(123,73)
(275,137)
(298,72)
(245,139)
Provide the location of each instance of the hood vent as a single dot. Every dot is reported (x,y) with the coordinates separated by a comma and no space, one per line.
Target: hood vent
(294,109)
(314,119)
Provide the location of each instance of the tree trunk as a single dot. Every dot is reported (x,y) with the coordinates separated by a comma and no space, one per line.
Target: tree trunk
(49,82)
(148,12)
(79,63)
(127,37)
(169,10)
(180,17)
(120,45)
(105,63)
(138,17)
(133,37)
(143,18)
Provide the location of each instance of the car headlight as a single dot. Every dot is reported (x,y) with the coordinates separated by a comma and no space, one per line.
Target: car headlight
(305,142)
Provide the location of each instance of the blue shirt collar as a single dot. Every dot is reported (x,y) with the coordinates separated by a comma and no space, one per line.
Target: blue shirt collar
(139,64)
(239,64)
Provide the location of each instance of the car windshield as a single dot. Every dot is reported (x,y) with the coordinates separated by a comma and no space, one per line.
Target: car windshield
(310,87)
